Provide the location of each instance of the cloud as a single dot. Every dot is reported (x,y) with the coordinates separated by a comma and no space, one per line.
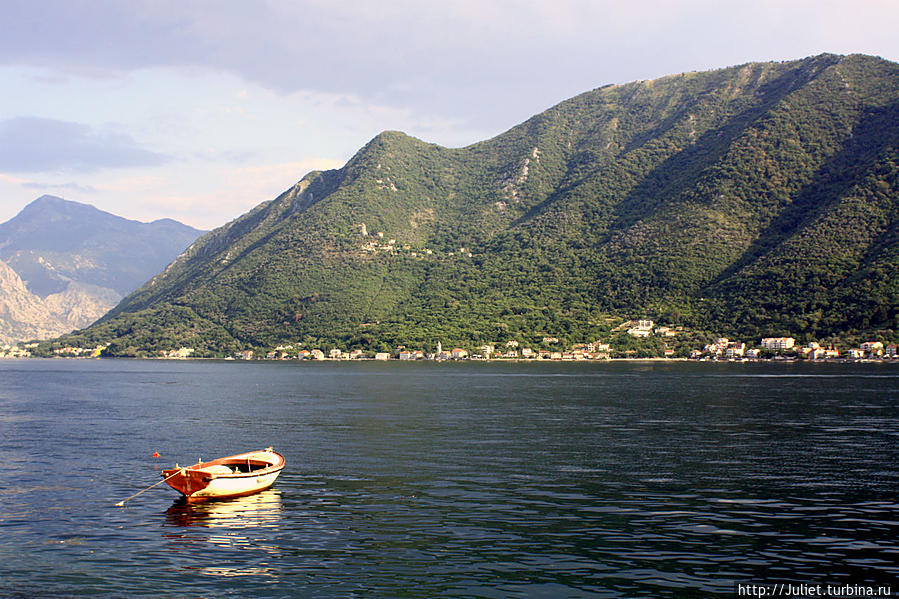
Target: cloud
(221,193)
(30,144)
(457,58)
(60,187)
(4,178)
(231,156)
(484,65)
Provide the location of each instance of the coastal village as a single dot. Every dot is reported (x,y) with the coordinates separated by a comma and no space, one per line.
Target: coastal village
(721,349)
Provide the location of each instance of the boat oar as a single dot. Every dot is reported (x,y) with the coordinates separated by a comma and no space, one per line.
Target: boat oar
(122,502)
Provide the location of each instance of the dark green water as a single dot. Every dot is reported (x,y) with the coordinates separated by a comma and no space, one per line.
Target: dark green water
(450,480)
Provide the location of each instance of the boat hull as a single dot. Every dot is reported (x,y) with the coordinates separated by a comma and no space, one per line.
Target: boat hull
(232,476)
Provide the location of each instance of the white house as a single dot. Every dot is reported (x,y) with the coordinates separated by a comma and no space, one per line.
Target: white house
(874,348)
(643,329)
(776,343)
(735,350)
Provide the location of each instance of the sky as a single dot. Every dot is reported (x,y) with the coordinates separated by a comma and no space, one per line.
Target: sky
(200,110)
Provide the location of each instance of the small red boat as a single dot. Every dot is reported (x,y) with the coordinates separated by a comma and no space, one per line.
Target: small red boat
(233,476)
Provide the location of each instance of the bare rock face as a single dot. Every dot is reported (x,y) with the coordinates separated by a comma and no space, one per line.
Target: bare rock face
(63,265)
(25,315)
(80,304)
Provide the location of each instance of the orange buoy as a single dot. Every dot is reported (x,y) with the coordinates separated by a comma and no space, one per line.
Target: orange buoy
(155,454)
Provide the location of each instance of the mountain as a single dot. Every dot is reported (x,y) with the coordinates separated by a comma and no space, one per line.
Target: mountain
(760,199)
(65,264)
(22,314)
(25,315)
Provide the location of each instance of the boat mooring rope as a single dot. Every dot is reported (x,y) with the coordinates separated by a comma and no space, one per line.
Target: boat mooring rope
(122,502)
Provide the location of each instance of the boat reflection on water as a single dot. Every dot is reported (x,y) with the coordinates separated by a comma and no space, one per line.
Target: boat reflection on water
(235,530)
(261,509)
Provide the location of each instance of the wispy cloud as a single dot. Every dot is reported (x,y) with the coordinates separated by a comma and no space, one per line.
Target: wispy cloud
(31,144)
(462,59)
(59,187)
(222,192)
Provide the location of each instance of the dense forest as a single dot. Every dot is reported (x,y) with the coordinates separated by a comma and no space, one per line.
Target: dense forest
(760,199)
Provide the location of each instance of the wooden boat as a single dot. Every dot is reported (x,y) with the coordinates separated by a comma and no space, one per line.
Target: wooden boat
(233,476)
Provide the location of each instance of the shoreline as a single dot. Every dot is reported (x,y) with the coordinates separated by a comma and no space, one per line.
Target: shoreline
(482,361)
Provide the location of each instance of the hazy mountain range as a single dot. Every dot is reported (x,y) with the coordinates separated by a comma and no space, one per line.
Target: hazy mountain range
(757,199)
(64,264)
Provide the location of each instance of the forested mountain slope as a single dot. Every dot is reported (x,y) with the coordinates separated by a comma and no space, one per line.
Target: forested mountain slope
(757,199)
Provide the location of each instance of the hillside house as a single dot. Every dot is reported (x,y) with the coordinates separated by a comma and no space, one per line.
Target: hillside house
(872,348)
(778,343)
(735,350)
(718,348)
(816,353)
(642,329)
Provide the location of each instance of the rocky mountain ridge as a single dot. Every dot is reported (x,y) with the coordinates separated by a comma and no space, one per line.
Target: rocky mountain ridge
(64,264)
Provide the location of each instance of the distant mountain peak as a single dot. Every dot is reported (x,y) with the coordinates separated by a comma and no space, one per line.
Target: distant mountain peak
(55,201)
(47,198)
(57,246)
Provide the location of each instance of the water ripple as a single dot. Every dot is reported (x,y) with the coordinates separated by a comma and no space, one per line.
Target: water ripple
(615,481)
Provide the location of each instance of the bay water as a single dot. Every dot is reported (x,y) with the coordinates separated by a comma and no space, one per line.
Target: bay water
(623,479)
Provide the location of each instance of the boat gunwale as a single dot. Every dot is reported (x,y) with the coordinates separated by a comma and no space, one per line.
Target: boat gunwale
(273,466)
(262,472)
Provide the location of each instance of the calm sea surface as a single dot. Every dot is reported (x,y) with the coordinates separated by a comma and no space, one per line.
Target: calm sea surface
(450,480)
